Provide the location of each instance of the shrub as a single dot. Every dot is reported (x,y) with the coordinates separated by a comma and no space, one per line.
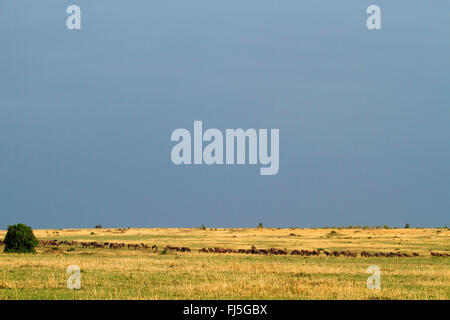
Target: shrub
(20,238)
(386,226)
(332,233)
(203,227)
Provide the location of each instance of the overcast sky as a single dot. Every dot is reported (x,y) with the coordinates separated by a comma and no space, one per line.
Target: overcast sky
(86,115)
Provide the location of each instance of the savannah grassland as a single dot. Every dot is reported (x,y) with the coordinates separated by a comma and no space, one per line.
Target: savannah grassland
(143,274)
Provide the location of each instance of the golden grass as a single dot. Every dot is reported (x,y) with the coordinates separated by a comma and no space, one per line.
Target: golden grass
(141,274)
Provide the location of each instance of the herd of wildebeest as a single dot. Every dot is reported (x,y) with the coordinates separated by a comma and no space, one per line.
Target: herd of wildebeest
(253,250)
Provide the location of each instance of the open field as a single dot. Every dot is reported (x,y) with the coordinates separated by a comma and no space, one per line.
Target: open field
(145,274)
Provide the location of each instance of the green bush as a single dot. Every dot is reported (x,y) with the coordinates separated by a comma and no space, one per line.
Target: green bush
(20,238)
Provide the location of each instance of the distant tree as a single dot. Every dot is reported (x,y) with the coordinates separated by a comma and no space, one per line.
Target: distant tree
(407,226)
(98,226)
(20,238)
(203,227)
(260,225)
(386,226)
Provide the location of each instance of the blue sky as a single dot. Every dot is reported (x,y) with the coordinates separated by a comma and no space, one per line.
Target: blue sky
(86,115)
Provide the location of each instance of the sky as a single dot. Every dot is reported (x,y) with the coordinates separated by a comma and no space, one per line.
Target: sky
(86,115)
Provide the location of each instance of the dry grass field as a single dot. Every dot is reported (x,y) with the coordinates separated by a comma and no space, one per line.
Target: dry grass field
(145,274)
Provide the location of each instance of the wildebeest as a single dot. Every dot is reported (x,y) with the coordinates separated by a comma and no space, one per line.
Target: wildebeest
(252,250)
(170,248)
(437,254)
